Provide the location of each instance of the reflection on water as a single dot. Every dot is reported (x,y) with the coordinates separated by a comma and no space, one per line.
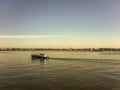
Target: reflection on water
(38,60)
(64,71)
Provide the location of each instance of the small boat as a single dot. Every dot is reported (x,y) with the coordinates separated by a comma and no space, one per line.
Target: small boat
(41,56)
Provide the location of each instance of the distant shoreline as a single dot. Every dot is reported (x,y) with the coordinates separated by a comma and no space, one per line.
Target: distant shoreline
(60,49)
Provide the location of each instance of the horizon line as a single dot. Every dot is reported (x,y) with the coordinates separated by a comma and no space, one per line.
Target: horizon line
(60,48)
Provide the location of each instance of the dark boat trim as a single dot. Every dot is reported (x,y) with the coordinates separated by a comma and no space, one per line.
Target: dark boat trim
(40,56)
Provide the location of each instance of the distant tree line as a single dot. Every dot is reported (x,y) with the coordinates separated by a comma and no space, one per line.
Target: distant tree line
(60,49)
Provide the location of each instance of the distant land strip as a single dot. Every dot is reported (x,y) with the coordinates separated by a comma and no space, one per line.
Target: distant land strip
(60,49)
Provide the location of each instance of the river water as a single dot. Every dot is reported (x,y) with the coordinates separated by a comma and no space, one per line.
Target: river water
(69,70)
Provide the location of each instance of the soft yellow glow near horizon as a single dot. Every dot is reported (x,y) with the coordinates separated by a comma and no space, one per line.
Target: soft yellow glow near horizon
(55,41)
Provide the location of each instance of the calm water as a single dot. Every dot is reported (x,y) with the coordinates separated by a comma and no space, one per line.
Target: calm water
(89,71)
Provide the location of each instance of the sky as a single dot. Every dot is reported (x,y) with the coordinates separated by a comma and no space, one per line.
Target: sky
(59,23)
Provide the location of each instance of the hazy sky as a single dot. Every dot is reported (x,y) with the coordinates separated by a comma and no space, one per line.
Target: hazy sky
(60,23)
